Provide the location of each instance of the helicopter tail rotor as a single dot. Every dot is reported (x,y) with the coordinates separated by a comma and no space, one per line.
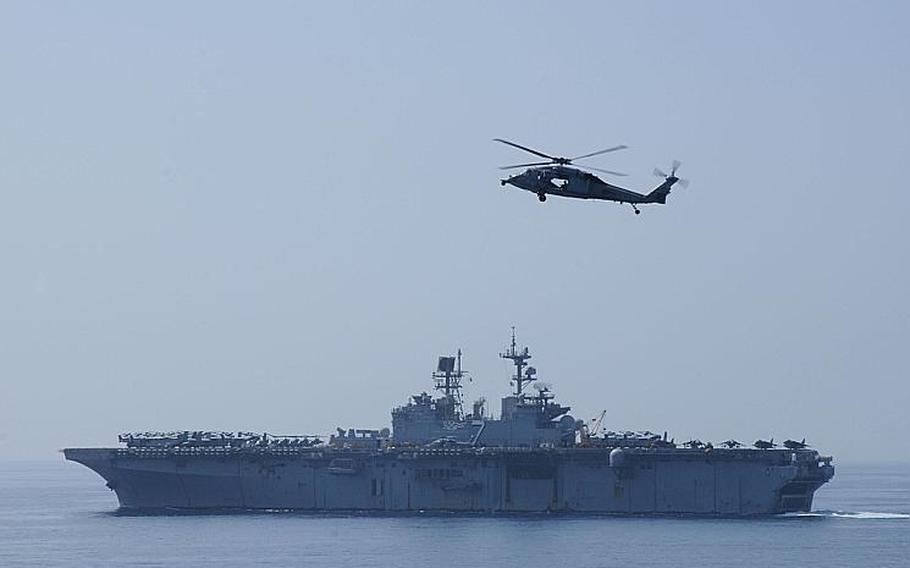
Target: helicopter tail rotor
(675,166)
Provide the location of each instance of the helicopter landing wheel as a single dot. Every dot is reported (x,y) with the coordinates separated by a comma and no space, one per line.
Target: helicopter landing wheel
(637,212)
(542,197)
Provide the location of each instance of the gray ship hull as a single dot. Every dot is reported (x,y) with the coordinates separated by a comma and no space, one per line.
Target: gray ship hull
(734,482)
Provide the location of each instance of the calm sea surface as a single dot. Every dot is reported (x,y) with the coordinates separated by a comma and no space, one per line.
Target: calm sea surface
(61,514)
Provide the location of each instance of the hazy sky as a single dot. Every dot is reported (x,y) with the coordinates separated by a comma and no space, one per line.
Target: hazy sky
(276,217)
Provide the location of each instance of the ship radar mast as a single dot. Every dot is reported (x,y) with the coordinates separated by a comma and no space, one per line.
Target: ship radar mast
(519,359)
(448,377)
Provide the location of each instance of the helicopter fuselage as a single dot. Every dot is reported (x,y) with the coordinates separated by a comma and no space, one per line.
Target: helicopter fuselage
(572,182)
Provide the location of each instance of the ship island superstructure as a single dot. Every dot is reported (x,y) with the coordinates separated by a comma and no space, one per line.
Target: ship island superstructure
(534,458)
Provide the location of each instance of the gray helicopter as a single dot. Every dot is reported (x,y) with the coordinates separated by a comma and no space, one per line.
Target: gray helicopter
(556,177)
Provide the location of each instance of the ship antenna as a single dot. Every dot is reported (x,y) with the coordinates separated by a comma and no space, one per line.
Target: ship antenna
(448,377)
(519,359)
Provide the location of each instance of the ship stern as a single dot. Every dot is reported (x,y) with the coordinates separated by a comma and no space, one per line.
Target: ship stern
(813,471)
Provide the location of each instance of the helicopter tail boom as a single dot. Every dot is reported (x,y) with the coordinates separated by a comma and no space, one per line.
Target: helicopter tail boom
(659,194)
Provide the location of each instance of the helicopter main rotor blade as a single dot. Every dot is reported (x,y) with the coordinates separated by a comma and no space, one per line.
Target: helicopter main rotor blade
(525,165)
(520,147)
(599,152)
(612,173)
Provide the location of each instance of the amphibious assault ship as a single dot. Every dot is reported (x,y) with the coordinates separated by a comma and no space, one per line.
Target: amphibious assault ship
(534,458)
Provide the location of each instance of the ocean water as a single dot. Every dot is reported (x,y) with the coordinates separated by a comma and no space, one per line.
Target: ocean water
(61,514)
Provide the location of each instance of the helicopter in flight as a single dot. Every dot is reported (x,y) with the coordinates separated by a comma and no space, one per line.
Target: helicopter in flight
(557,177)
